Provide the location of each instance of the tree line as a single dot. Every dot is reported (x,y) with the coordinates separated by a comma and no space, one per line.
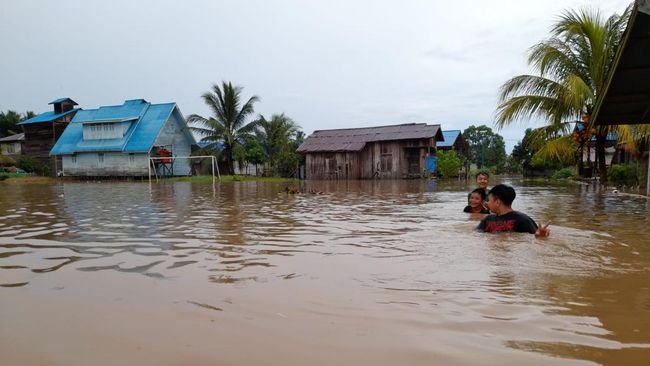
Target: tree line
(233,136)
(9,122)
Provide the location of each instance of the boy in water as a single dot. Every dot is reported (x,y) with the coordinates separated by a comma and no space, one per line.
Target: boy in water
(482,180)
(505,218)
(476,199)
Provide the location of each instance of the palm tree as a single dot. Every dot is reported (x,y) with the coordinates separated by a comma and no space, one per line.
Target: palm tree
(228,123)
(573,65)
(275,135)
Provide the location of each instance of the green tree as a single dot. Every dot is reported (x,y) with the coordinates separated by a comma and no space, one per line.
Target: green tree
(9,122)
(448,163)
(278,136)
(573,65)
(522,153)
(228,123)
(251,152)
(486,148)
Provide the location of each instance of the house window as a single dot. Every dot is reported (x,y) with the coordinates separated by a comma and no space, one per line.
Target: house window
(131,158)
(97,131)
(73,159)
(10,149)
(100,157)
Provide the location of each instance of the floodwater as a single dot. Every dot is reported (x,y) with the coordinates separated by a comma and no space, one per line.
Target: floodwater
(360,273)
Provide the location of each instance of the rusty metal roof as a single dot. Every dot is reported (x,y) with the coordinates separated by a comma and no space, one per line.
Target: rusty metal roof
(354,139)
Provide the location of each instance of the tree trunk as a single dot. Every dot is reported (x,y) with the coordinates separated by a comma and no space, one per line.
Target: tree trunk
(581,165)
(601,137)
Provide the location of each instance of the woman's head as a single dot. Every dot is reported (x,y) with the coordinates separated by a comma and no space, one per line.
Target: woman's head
(477,197)
(482,179)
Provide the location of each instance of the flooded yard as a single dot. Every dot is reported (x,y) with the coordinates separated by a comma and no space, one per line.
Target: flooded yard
(355,273)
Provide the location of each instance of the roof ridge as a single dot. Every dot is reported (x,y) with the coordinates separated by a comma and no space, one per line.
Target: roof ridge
(364,128)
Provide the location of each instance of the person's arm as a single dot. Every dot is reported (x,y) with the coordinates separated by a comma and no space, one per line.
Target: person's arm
(481,225)
(543,231)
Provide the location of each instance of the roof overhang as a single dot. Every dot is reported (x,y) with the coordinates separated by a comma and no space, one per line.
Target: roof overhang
(627,96)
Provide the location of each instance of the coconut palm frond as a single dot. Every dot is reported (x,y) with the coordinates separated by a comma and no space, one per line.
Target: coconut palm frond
(228,123)
(625,134)
(531,106)
(559,149)
(582,94)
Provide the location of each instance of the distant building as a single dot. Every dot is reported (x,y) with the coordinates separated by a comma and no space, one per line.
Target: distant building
(42,132)
(453,139)
(588,150)
(12,145)
(119,140)
(392,152)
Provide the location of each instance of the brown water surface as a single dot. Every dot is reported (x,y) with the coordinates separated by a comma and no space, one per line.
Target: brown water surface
(361,273)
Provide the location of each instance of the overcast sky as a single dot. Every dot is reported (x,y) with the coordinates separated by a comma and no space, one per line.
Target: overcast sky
(326,64)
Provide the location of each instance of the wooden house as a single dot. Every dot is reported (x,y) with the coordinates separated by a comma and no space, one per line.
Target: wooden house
(42,132)
(118,141)
(12,145)
(387,152)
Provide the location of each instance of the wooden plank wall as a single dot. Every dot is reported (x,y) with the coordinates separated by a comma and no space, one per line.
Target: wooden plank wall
(382,160)
(41,137)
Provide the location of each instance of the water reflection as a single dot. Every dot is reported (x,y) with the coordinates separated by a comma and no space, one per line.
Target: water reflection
(395,265)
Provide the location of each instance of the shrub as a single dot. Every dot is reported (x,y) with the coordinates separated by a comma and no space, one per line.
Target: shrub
(623,174)
(7,161)
(448,163)
(564,173)
(31,165)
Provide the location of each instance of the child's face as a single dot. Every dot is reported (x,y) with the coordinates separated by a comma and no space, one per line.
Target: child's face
(475,200)
(482,181)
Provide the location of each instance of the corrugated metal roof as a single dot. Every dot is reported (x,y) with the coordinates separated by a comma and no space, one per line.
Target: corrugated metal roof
(12,138)
(61,100)
(450,137)
(354,139)
(148,119)
(47,117)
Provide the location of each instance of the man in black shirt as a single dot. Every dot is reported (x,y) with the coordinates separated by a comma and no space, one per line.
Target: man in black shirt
(505,218)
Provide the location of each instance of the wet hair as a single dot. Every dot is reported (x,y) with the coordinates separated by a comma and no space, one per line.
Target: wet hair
(482,173)
(504,193)
(481,192)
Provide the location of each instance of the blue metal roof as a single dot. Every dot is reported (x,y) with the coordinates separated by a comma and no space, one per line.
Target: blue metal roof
(450,138)
(147,121)
(47,117)
(61,100)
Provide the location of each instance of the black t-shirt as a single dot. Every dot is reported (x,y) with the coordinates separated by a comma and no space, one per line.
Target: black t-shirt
(512,221)
(483,210)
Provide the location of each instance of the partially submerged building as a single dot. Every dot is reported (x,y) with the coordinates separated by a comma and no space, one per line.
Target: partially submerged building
(120,140)
(392,152)
(12,145)
(43,130)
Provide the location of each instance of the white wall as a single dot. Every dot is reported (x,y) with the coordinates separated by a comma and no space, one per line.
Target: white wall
(113,164)
(174,139)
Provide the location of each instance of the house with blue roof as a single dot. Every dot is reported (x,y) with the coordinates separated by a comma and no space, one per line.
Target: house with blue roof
(588,150)
(453,140)
(119,141)
(43,130)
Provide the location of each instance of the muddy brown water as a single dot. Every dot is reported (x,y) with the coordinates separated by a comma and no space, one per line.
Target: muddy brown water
(361,273)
